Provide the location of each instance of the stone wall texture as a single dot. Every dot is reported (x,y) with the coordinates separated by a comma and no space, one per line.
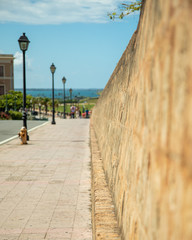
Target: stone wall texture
(143,124)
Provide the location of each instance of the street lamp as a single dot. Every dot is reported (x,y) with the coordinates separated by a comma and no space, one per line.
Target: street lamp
(40,110)
(23,44)
(53,68)
(64,81)
(70,90)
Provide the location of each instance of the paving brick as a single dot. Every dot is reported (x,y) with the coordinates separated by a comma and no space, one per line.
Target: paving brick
(45,185)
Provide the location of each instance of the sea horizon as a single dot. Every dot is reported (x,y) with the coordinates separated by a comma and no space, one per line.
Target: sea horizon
(56,88)
(58,92)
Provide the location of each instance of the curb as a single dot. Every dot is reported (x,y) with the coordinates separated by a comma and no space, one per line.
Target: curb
(16,136)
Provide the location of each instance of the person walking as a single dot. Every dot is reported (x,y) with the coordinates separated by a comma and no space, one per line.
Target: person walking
(73,108)
(87,113)
(77,113)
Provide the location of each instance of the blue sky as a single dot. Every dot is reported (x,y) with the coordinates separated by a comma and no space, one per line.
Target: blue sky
(76,36)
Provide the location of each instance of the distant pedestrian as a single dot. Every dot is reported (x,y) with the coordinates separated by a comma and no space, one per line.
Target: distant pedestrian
(77,113)
(87,113)
(73,108)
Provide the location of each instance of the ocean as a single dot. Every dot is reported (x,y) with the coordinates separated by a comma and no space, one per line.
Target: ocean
(58,93)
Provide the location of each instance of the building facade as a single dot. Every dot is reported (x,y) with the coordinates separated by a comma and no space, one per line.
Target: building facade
(6,73)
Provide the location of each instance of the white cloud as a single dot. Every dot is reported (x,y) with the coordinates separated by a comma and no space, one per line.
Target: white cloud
(55,11)
(18,61)
(18,58)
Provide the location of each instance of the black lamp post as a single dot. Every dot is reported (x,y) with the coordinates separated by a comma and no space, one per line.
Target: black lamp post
(53,68)
(40,110)
(64,81)
(70,90)
(23,44)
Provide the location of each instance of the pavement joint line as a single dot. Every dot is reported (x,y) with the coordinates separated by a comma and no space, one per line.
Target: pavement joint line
(16,136)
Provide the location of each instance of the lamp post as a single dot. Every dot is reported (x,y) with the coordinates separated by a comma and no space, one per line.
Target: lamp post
(64,81)
(53,68)
(40,110)
(23,44)
(70,90)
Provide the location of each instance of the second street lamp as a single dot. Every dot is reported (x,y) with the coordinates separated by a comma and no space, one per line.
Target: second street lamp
(23,44)
(53,68)
(64,81)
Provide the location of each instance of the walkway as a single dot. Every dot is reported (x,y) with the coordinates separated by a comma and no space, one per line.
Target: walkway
(45,185)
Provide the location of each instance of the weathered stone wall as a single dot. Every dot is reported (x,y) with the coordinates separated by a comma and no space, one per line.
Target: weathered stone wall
(143,123)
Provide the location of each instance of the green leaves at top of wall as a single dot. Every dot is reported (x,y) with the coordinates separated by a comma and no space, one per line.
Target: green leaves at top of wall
(125,9)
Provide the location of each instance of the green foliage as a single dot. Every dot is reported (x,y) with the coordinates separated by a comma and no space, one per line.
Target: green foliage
(15,115)
(11,100)
(29,101)
(45,102)
(125,9)
(89,100)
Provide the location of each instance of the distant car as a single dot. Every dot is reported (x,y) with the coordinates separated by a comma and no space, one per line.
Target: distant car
(34,113)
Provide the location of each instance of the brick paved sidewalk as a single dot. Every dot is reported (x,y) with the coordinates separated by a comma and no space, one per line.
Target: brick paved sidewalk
(45,185)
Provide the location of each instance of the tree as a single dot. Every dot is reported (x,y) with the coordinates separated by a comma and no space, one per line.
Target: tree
(12,100)
(34,101)
(126,9)
(56,103)
(29,100)
(45,102)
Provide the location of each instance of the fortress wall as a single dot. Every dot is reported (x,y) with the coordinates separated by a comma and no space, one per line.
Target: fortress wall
(143,124)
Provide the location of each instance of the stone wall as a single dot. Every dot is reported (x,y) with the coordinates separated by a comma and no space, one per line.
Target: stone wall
(143,123)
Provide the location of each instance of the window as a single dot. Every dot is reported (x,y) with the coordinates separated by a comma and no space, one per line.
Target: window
(1,71)
(2,90)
